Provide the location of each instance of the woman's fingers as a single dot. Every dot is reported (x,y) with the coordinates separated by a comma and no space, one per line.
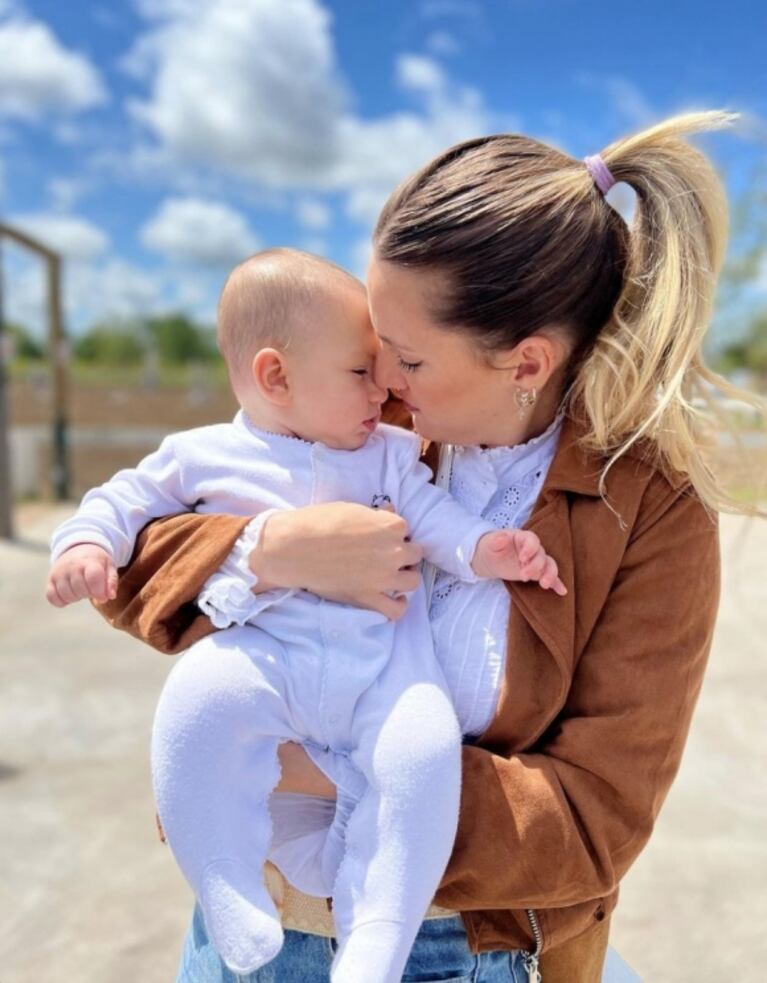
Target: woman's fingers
(407,580)
(391,607)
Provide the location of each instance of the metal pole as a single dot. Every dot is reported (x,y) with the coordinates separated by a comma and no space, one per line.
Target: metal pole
(59,355)
(6,486)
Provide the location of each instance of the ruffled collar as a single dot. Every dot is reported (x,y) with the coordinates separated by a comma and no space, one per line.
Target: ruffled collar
(523,457)
(268,436)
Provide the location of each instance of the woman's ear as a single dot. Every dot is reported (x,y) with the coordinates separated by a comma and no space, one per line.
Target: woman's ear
(269,371)
(534,360)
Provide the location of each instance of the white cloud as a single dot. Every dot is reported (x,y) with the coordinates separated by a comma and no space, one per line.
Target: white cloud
(378,154)
(420,73)
(625,96)
(316,245)
(75,238)
(252,91)
(115,289)
(91,292)
(360,257)
(623,199)
(442,43)
(38,75)
(364,203)
(761,277)
(65,192)
(313,214)
(250,87)
(193,230)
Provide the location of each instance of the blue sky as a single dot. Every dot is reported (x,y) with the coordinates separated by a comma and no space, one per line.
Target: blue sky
(156,142)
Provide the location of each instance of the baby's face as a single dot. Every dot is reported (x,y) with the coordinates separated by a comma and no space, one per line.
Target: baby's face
(336,400)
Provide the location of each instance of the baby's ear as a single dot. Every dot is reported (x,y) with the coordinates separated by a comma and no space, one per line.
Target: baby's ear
(268,371)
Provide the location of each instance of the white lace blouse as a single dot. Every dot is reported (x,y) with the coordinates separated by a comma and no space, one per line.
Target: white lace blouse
(469,622)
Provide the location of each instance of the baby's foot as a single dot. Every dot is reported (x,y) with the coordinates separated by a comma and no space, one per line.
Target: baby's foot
(240,916)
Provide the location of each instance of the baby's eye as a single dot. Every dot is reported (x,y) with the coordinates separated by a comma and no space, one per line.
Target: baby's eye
(360,371)
(408,366)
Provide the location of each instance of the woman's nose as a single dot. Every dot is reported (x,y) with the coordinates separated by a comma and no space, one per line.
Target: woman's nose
(385,372)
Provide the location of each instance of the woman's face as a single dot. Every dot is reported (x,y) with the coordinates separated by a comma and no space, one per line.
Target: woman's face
(454,394)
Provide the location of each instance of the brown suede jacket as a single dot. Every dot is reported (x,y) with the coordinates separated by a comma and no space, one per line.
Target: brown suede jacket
(560,794)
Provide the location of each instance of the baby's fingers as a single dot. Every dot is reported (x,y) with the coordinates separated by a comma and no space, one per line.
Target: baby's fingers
(533,569)
(95,576)
(52,595)
(111,581)
(527,545)
(549,579)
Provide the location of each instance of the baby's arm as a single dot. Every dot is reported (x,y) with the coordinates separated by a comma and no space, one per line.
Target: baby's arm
(88,548)
(463,544)
(516,554)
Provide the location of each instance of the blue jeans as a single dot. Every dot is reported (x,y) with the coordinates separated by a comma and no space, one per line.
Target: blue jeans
(440,952)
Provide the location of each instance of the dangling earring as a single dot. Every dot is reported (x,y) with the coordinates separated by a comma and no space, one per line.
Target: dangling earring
(525,398)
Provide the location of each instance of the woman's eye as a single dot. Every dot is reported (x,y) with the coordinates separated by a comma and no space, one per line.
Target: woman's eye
(408,366)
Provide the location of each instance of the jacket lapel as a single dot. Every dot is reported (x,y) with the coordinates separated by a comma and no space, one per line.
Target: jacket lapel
(541,645)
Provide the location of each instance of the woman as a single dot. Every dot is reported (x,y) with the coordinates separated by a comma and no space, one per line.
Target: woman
(522,320)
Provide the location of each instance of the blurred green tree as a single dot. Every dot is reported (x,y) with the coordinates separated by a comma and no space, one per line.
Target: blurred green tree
(25,346)
(747,352)
(177,340)
(106,344)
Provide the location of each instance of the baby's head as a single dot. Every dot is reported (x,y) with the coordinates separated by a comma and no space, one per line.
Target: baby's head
(296,336)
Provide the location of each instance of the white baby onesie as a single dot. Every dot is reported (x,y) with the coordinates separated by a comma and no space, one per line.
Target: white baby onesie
(313,671)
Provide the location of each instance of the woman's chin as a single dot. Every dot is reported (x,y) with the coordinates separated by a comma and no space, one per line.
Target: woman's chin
(422,428)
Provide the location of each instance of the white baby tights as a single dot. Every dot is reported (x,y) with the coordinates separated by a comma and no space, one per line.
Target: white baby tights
(224,709)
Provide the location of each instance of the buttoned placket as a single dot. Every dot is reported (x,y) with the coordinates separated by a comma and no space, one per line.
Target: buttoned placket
(339,671)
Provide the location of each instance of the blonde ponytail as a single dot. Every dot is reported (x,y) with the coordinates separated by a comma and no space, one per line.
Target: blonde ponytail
(525,240)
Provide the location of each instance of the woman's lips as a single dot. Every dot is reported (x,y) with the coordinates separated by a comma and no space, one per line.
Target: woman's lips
(409,407)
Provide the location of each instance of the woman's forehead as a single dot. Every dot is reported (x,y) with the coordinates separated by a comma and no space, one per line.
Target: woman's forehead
(402,302)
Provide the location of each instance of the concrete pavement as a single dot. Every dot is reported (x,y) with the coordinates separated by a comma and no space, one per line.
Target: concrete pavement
(90,895)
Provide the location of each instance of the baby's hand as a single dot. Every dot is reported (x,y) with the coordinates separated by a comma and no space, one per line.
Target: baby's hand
(516,554)
(85,570)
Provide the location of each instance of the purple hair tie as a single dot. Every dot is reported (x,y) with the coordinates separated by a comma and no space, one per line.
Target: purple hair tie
(600,173)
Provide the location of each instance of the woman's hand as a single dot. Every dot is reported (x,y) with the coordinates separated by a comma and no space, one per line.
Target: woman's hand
(341,551)
(300,774)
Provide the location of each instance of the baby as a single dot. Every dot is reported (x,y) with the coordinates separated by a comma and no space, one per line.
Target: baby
(300,350)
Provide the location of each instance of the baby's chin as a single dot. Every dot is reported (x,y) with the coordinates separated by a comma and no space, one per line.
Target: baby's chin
(347,442)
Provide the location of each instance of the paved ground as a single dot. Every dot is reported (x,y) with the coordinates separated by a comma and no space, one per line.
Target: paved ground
(89,895)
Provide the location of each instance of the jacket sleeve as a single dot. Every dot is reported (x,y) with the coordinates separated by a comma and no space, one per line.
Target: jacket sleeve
(567,819)
(156,592)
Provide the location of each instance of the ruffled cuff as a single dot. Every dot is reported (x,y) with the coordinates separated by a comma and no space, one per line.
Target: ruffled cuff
(226,597)
(464,553)
(90,538)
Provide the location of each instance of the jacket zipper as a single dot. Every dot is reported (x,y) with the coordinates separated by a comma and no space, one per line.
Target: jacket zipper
(531,958)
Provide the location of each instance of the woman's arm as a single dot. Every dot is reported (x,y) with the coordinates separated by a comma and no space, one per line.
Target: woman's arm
(339,550)
(156,592)
(562,823)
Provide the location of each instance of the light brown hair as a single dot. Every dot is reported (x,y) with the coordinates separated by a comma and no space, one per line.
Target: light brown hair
(526,240)
(267,302)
